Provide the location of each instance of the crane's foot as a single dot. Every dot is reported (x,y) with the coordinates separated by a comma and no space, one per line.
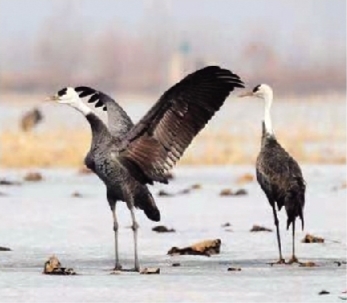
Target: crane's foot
(280,261)
(117,267)
(293,260)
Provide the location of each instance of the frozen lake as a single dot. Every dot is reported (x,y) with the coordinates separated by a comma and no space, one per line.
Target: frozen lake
(40,219)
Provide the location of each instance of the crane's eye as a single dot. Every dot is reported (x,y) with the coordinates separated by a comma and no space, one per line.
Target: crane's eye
(256,88)
(62,92)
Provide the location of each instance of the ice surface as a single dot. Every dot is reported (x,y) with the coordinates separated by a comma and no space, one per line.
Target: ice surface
(41,219)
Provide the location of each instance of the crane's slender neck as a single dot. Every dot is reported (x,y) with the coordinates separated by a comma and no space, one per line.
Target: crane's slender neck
(99,129)
(81,107)
(267,115)
(100,132)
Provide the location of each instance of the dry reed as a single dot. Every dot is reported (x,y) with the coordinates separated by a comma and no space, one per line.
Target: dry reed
(66,148)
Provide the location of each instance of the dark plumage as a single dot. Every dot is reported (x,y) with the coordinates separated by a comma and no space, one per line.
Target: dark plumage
(278,174)
(126,157)
(280,177)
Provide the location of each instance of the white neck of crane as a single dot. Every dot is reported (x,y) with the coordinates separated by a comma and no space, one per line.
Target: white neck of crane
(267,115)
(81,107)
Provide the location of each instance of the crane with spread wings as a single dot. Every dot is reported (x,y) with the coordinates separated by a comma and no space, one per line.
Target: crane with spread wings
(127,157)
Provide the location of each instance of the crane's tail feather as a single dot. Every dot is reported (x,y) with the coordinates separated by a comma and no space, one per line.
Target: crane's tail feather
(145,201)
(153,214)
(294,203)
(291,220)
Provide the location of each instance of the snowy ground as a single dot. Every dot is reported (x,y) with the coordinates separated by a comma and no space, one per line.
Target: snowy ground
(41,219)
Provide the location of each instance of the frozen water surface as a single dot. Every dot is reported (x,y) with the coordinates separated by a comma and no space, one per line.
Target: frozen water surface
(41,219)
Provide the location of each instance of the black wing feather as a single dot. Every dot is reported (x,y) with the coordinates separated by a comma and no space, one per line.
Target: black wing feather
(94,98)
(84,91)
(160,138)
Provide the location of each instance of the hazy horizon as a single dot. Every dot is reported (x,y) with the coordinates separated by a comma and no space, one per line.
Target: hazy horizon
(263,39)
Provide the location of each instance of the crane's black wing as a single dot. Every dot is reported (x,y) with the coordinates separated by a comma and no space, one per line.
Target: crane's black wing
(158,140)
(119,123)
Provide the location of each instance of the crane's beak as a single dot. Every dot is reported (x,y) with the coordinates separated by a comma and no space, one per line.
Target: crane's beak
(246,94)
(52,98)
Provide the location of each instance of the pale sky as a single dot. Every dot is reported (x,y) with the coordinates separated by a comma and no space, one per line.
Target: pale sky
(321,24)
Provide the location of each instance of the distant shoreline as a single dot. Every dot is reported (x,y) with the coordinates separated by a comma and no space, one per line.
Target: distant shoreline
(11,97)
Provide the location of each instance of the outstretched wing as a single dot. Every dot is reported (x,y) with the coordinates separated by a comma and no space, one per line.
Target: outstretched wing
(158,140)
(119,123)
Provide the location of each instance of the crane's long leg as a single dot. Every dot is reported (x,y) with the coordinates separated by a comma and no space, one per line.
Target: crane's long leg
(281,260)
(115,228)
(135,227)
(293,259)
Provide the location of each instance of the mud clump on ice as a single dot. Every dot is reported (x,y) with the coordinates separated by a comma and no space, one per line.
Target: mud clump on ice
(256,228)
(312,239)
(228,192)
(163,229)
(8,182)
(184,191)
(33,177)
(176,264)
(203,248)
(2,248)
(308,264)
(76,194)
(324,292)
(163,193)
(234,269)
(53,267)
(150,271)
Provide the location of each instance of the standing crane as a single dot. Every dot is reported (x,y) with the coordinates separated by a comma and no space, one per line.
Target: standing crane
(278,174)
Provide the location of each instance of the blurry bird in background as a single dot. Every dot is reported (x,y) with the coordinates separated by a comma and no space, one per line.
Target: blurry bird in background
(30,119)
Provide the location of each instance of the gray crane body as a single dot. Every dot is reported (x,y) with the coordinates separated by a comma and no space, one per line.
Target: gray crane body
(102,159)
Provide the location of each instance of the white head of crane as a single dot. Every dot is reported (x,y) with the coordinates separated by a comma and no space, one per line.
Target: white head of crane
(265,92)
(68,95)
